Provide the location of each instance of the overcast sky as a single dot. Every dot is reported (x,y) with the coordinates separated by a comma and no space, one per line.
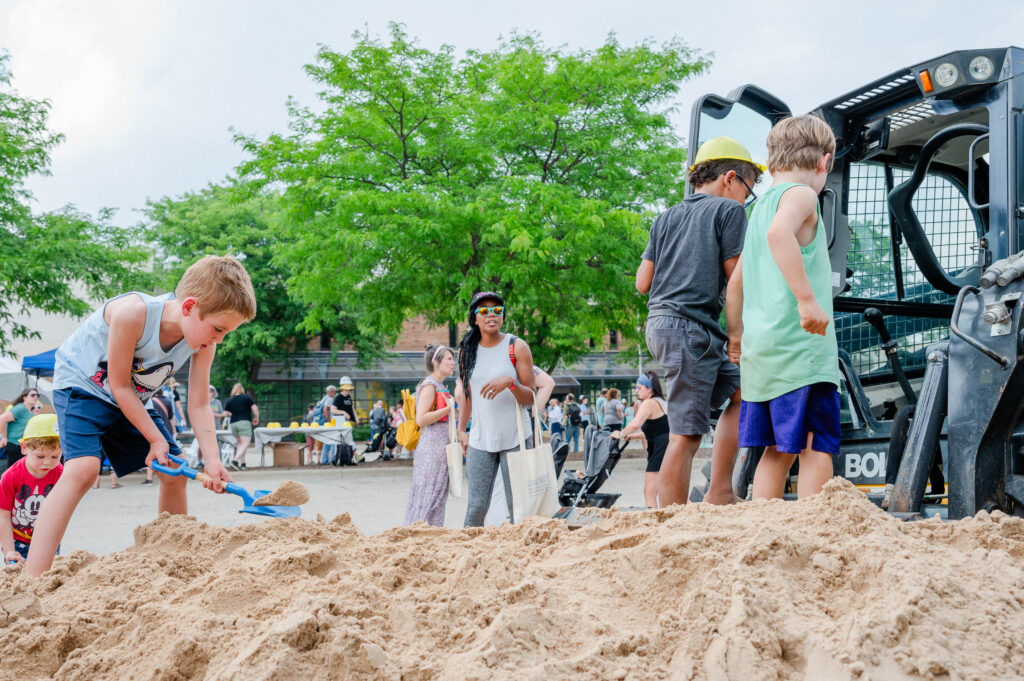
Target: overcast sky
(146,91)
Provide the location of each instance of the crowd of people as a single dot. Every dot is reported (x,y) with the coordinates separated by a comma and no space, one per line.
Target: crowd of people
(773,267)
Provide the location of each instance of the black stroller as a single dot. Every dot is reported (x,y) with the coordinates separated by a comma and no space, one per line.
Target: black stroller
(601,454)
(383,442)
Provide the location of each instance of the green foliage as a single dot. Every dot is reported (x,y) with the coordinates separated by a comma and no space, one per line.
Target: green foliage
(53,261)
(423,178)
(232,220)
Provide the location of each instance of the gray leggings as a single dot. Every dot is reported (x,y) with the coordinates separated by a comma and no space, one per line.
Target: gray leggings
(481,469)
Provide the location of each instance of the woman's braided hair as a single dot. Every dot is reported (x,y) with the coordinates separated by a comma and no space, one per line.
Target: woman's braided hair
(467,351)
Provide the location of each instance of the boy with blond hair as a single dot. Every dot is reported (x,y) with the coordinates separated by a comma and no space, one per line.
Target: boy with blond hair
(779,314)
(108,370)
(25,484)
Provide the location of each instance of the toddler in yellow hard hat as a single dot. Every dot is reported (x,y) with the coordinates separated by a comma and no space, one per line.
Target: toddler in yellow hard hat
(25,484)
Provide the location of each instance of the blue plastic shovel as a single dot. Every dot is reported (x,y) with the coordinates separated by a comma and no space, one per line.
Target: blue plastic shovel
(247,496)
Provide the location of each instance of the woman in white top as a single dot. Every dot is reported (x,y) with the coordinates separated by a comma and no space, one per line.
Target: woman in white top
(496,391)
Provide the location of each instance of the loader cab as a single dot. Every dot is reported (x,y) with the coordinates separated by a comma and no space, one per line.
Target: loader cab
(926,191)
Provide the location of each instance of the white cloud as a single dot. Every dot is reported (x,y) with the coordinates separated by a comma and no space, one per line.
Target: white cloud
(146,91)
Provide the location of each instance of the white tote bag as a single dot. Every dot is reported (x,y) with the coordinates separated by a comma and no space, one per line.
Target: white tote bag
(531,474)
(453,452)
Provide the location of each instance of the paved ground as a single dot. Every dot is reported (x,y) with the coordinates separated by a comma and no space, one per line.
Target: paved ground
(374,495)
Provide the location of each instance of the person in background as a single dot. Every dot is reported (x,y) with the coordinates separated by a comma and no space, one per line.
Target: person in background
(378,419)
(573,422)
(344,406)
(650,424)
(244,415)
(599,407)
(309,419)
(584,412)
(397,417)
(24,485)
(434,407)
(554,416)
(216,406)
(612,411)
(171,388)
(13,422)
(323,415)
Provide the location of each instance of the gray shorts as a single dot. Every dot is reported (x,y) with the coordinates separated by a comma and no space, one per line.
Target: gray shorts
(698,375)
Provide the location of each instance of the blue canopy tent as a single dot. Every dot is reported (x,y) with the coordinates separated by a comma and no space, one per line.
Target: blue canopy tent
(39,365)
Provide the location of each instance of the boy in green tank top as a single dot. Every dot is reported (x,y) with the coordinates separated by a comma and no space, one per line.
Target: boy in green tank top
(779,314)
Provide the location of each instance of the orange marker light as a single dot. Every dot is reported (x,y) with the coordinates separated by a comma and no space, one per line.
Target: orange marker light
(926,81)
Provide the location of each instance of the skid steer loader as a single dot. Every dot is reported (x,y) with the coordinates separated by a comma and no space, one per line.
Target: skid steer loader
(924,214)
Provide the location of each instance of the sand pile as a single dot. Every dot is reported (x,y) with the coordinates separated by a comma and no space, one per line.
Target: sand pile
(289,493)
(828,588)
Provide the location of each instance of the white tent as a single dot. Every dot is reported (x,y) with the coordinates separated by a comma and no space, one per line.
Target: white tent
(13,380)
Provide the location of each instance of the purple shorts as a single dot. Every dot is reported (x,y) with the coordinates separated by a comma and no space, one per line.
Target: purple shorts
(786,420)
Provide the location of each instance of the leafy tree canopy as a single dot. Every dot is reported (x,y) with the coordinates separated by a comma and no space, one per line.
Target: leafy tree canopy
(55,261)
(424,177)
(231,220)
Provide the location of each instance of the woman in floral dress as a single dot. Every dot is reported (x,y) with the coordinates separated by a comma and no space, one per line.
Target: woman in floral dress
(434,406)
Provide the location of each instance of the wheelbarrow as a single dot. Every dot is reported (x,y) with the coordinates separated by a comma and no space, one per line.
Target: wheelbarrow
(231,488)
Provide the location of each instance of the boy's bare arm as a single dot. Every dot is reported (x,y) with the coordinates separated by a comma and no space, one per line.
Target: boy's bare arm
(798,207)
(201,416)
(127,322)
(7,538)
(645,276)
(734,311)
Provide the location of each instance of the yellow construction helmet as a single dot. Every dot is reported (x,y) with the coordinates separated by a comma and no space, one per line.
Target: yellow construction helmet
(721,148)
(40,425)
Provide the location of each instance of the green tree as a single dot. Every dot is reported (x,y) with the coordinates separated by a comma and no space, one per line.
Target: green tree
(56,261)
(230,220)
(424,177)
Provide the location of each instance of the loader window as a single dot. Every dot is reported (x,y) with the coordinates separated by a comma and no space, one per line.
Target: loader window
(884,268)
(746,126)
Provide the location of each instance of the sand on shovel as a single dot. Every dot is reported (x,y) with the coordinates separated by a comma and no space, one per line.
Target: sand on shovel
(290,493)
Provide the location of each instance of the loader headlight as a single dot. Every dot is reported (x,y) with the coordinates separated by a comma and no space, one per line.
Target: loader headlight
(981,68)
(946,74)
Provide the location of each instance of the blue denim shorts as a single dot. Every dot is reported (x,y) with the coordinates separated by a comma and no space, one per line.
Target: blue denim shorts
(90,426)
(786,420)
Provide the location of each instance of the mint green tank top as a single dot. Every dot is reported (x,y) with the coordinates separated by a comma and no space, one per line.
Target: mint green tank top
(778,355)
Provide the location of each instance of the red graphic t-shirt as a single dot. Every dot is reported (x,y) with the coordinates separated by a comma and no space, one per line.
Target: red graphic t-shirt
(22,494)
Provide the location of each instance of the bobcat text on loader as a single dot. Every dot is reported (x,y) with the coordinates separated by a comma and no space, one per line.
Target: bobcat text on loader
(924,215)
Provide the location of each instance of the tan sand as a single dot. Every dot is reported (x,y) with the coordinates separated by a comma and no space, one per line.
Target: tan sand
(289,493)
(827,588)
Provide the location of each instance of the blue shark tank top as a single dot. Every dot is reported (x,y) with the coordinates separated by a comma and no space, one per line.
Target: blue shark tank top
(81,361)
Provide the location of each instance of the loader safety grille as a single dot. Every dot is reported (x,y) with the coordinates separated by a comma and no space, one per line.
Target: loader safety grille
(950,226)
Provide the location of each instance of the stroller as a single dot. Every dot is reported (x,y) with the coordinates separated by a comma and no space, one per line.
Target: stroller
(383,442)
(601,454)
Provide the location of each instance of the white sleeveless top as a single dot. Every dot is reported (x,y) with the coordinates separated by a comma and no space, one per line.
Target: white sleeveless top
(494,421)
(81,361)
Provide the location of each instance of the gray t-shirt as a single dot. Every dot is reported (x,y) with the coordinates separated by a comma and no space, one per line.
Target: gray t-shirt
(688,244)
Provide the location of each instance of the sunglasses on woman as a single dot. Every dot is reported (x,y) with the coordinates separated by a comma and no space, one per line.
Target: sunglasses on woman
(33,395)
(496,310)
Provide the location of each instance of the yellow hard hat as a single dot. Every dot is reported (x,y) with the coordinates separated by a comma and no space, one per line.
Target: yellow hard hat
(721,148)
(41,425)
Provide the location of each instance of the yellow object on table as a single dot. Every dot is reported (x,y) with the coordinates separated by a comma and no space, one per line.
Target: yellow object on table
(273,424)
(304,425)
(293,424)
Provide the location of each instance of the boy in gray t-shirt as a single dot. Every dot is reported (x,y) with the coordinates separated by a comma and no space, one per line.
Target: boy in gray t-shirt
(692,251)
